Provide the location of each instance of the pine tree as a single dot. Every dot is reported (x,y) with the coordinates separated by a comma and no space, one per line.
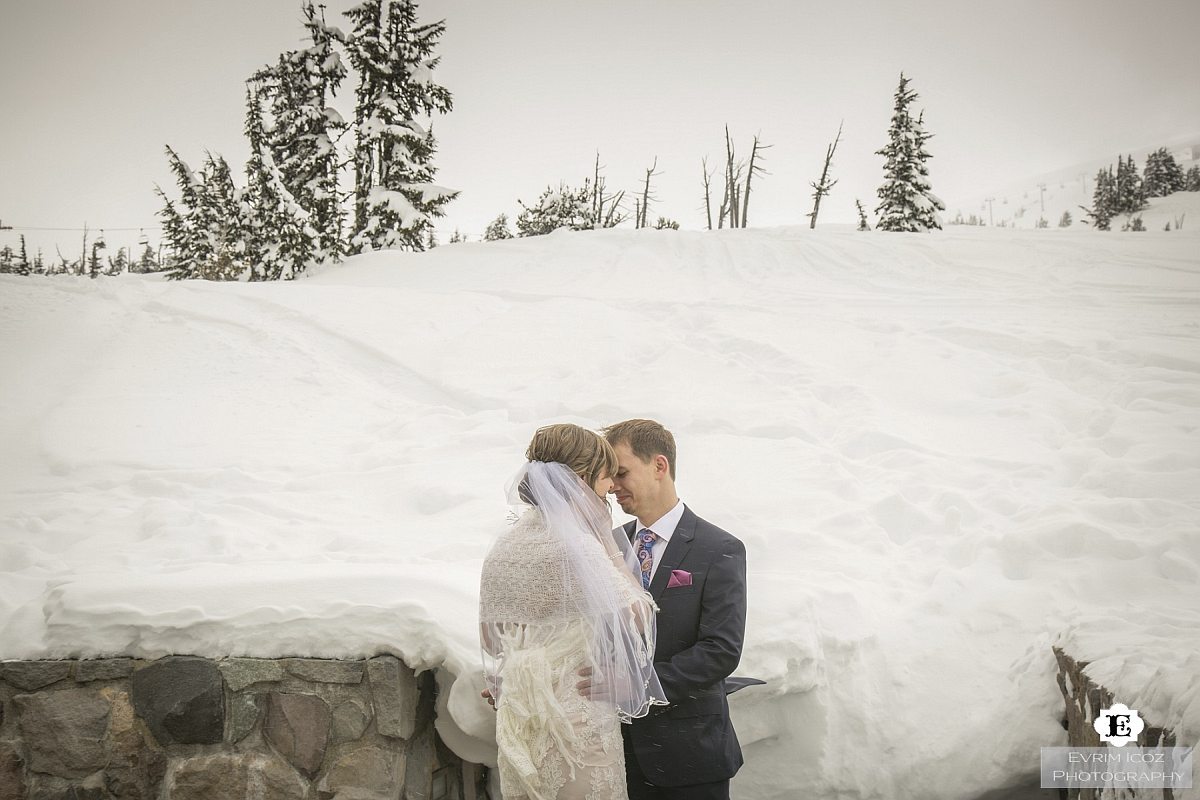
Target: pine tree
(1162,174)
(906,200)
(95,266)
(220,214)
(23,266)
(1065,220)
(497,229)
(304,131)
(189,247)
(279,239)
(8,260)
(1129,199)
(146,261)
(119,264)
(1191,181)
(1104,201)
(665,224)
(558,208)
(395,197)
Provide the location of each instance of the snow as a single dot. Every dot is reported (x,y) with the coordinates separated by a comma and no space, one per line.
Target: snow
(397,203)
(945,453)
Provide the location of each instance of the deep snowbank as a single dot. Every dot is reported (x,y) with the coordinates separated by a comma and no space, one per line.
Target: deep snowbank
(941,450)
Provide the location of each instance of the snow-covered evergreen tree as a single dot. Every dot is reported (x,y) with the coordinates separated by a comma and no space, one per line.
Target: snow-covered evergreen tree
(190,248)
(23,267)
(1191,181)
(1162,174)
(147,261)
(906,201)
(1129,198)
(221,214)
(1104,201)
(497,229)
(303,130)
(280,240)
(1065,220)
(95,266)
(395,196)
(558,208)
(119,264)
(205,228)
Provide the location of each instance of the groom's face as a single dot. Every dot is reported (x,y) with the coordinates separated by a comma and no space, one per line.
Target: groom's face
(634,485)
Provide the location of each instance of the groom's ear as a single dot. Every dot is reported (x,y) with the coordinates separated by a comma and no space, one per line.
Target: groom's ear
(662,467)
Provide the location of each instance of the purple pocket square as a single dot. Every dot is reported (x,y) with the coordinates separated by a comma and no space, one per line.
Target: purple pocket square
(679,577)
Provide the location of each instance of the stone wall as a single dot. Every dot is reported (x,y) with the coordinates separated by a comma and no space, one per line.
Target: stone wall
(1085,699)
(189,728)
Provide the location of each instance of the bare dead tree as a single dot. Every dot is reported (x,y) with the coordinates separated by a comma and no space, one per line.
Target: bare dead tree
(606,209)
(597,191)
(64,266)
(640,222)
(733,175)
(750,173)
(863,225)
(823,186)
(707,191)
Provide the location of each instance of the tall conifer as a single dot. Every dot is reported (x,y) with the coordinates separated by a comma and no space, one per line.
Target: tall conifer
(303,130)
(907,202)
(1129,199)
(395,198)
(1104,201)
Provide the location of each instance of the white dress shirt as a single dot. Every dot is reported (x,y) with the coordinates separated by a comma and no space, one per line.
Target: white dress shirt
(664,529)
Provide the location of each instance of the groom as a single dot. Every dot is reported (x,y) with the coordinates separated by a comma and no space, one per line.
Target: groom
(696,572)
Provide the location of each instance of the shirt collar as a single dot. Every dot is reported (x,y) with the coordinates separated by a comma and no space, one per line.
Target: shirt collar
(665,527)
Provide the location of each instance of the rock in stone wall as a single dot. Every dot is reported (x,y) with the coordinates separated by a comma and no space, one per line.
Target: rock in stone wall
(1085,699)
(189,728)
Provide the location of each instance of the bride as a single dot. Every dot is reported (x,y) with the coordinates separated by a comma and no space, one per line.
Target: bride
(558,599)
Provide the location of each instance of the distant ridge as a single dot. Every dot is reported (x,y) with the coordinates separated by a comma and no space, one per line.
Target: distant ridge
(1023,202)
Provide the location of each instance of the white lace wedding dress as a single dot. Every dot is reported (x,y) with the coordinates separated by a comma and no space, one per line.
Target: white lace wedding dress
(554,744)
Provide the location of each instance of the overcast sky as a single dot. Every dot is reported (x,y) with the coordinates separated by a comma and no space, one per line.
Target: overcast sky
(94,90)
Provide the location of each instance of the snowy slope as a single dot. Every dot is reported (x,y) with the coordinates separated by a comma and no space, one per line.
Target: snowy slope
(942,451)
(1022,203)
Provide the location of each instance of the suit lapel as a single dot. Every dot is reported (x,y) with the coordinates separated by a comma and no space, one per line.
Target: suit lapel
(672,557)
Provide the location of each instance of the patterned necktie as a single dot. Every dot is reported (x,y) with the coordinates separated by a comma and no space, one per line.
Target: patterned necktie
(645,541)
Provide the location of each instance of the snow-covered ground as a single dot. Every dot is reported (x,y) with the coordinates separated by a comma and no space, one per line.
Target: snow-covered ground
(943,452)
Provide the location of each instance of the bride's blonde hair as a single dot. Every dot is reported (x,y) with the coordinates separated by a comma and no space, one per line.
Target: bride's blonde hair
(584,452)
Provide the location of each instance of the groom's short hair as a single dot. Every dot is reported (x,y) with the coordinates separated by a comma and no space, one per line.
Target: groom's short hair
(646,438)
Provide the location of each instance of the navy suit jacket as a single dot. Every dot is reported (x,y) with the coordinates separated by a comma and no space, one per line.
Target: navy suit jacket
(700,633)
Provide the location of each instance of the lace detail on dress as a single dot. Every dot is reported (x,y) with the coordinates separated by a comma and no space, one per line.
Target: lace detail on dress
(554,744)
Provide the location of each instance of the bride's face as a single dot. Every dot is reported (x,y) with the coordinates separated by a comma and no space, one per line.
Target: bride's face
(602,486)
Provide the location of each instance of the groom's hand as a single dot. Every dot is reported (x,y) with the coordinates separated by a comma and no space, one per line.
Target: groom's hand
(487,695)
(592,691)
